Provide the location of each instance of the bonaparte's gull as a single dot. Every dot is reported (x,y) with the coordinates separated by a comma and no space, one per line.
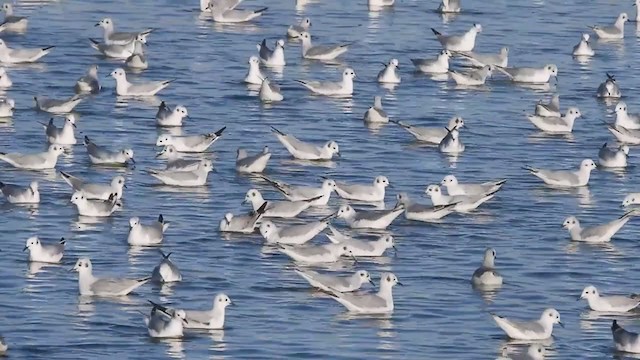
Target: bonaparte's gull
(101,155)
(609,88)
(145,235)
(481,60)
(472,77)
(3,346)
(94,207)
(22,55)
(270,92)
(550,109)
(465,42)
(530,75)
(320,52)
(225,15)
(244,224)
(624,340)
(583,48)
(432,135)
(332,88)
(17,194)
(212,319)
(6,108)
(226,4)
(125,88)
(296,193)
(369,219)
(35,161)
(379,303)
(112,37)
(64,135)
(540,329)
(376,114)
(271,57)
(137,60)
(616,303)
(613,157)
(615,31)
(422,212)
(196,177)
(486,274)
(556,124)
(5,80)
(565,178)
(166,271)
(254,75)
(451,143)
(295,31)
(96,190)
(369,193)
(277,209)
(306,151)
(165,323)
(13,23)
(175,161)
(293,234)
(625,136)
(449,6)
(114,51)
(312,254)
(168,117)
(374,248)
(533,352)
(246,163)
(624,119)
(191,143)
(333,283)
(389,75)
(39,252)
(89,285)
(89,82)
(439,65)
(454,188)
(463,203)
(595,234)
(57,106)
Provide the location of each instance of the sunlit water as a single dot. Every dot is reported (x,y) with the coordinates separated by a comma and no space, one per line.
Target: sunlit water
(277,315)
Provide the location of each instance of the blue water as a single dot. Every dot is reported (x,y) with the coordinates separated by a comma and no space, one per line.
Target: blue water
(438,314)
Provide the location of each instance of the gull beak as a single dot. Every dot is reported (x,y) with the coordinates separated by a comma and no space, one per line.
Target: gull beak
(401,284)
(579,298)
(158,155)
(561,324)
(338,153)
(371,282)
(25,248)
(231,304)
(133,160)
(98,24)
(394,248)
(125,186)
(244,202)
(185,321)
(74,126)
(72,269)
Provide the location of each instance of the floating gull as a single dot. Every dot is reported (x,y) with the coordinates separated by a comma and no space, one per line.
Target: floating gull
(486,274)
(609,89)
(96,190)
(12,23)
(565,178)
(465,42)
(624,119)
(369,193)
(389,74)
(293,234)
(273,57)
(421,212)
(595,234)
(583,48)
(165,323)
(192,143)
(550,109)
(613,158)
(556,124)
(615,31)
(18,56)
(111,37)
(454,188)
(244,224)
(17,194)
(540,329)
(306,151)
(125,88)
(451,143)
(175,161)
(101,155)
(312,254)
(432,135)
(57,106)
(439,65)
(332,88)
(295,31)
(449,6)
(145,235)
(472,77)
(376,114)
(277,209)
(210,319)
(270,92)
(463,203)
(374,248)
(35,161)
(482,60)
(624,340)
(223,14)
(246,163)
(197,177)
(166,271)
(113,51)
(94,207)
(297,193)
(529,75)
(168,117)
(320,52)
(333,283)
(369,219)
(92,286)
(254,75)
(6,108)
(379,303)
(614,303)
(39,252)
(64,135)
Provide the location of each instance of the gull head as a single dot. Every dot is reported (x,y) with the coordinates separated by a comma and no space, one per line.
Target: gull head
(624,148)
(329,184)
(118,74)
(631,199)
(589,292)
(117,182)
(345,251)
(570,223)
(134,221)
(446,53)
(552,69)
(181,111)
(305,23)
(221,300)
(164,140)
(551,316)
(345,211)
(587,165)
(280,43)
(71,119)
(180,314)
(623,17)
(32,243)
(574,112)
(402,199)
(105,23)
(254,197)
(254,61)
(489,257)
(333,147)
(128,154)
(388,241)
(305,37)
(77,197)
(348,73)
(267,228)
(206,165)
(389,279)
(456,122)
(536,351)
(56,149)
(394,63)
(83,265)
(449,180)
(7,7)
(433,190)
(381,181)
(477,28)
(364,277)
(621,107)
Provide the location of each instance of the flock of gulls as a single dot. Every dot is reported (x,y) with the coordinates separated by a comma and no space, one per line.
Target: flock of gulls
(268,217)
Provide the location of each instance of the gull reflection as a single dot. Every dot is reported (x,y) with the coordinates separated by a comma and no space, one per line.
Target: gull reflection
(175,348)
(488,293)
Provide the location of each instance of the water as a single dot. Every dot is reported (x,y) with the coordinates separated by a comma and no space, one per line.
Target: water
(437,314)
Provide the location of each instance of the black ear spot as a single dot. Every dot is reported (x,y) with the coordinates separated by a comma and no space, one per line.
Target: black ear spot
(389,278)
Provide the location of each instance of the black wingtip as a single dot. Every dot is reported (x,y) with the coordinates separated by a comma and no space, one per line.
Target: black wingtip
(47,48)
(436,32)
(165,256)
(262,208)
(2,185)
(261,10)
(219,132)
(273,129)
(62,241)
(615,326)
(160,219)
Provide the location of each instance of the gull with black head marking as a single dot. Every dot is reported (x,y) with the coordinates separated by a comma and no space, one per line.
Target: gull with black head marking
(432,135)
(44,253)
(336,283)
(297,193)
(89,285)
(565,178)
(343,87)
(320,52)
(422,212)
(249,164)
(190,143)
(17,194)
(378,303)
(540,329)
(369,219)
(464,42)
(306,151)
(486,274)
(272,57)
(146,235)
(99,155)
(596,234)
(34,161)
(439,65)
(243,224)
(613,157)
(292,234)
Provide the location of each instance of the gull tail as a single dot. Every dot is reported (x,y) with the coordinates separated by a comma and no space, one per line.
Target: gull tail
(273,129)
(47,48)
(87,141)
(165,256)
(406,126)
(614,326)
(530,169)
(436,32)
(144,279)
(167,82)
(46,125)
(219,132)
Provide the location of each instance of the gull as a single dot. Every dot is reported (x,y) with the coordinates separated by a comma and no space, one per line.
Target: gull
(64,135)
(34,161)
(473,77)
(624,119)
(389,74)
(248,164)
(625,136)
(212,319)
(101,155)
(89,82)
(432,135)
(454,188)
(5,80)
(297,193)
(94,207)
(615,31)
(224,14)
(270,92)
(293,234)
(320,52)
(369,219)
(565,178)
(583,48)
(57,106)
(6,108)
(439,65)
(540,329)
(44,253)
(595,234)
(197,177)
(226,4)
(306,151)
(597,302)
(451,143)
(481,60)
(449,6)
(376,114)
(556,124)
(145,235)
(17,194)
(125,88)
(327,253)
(295,31)
(486,274)
(379,3)
(95,190)
(463,203)
(273,57)
(3,346)
(550,109)
(465,42)
(164,323)
(631,199)
(421,212)
(90,285)
(277,209)
(192,143)
(17,56)
(379,303)
(374,248)
(360,192)
(111,37)
(613,158)
(333,283)
(166,271)
(244,224)
(13,23)
(332,88)
(254,76)
(137,60)
(609,88)
(167,117)
(114,51)
(624,340)
(529,75)
(534,352)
